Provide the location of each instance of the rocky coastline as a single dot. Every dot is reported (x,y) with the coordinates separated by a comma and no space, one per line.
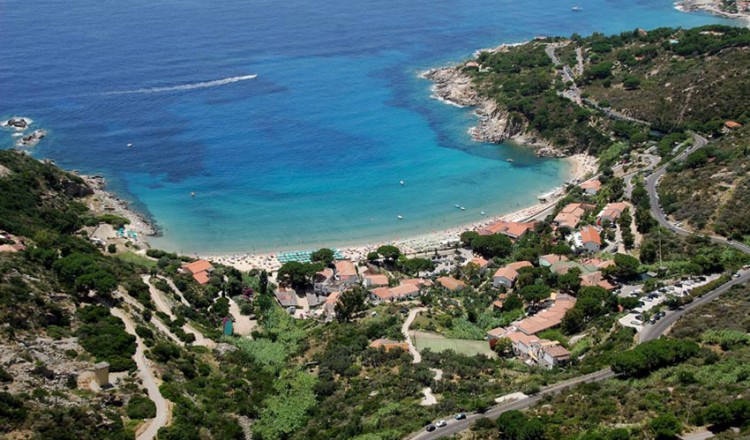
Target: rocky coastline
(105,202)
(495,124)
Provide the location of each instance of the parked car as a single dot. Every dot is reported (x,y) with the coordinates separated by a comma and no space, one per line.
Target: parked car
(430,427)
(460,416)
(441,423)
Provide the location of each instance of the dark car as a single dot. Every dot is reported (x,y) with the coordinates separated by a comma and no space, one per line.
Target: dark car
(460,416)
(430,427)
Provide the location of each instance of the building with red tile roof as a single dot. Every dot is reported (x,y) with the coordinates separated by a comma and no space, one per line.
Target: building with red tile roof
(346,272)
(546,319)
(551,259)
(587,239)
(375,280)
(596,279)
(571,215)
(732,124)
(611,212)
(451,283)
(200,270)
(511,229)
(506,275)
(479,261)
(396,293)
(591,187)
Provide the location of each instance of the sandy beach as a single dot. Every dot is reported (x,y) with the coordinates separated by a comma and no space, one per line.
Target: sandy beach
(582,166)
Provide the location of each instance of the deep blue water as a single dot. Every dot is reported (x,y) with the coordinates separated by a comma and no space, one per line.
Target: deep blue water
(313,149)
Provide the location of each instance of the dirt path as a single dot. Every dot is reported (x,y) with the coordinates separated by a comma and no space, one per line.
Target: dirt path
(429,398)
(405,330)
(243,325)
(154,319)
(150,382)
(176,290)
(164,305)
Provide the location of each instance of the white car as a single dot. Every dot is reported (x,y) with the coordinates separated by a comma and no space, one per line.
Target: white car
(440,423)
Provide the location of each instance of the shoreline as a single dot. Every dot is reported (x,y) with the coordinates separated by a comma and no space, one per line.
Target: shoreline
(103,201)
(712,7)
(582,166)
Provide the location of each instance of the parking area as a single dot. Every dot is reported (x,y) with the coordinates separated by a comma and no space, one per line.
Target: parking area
(651,300)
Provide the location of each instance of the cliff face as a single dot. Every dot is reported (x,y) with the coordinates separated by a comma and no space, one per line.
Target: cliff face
(495,124)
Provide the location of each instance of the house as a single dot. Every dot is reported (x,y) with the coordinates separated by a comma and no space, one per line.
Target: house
(507,274)
(611,212)
(511,229)
(732,125)
(451,283)
(522,344)
(587,239)
(323,280)
(596,279)
(388,345)
(591,187)
(552,355)
(346,272)
(286,297)
(497,305)
(497,333)
(375,280)
(396,293)
(329,307)
(472,64)
(201,270)
(551,259)
(480,262)
(548,318)
(419,282)
(571,215)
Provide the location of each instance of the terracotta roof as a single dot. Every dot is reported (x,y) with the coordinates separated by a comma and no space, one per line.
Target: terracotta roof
(345,268)
(548,318)
(517,337)
(591,184)
(590,234)
(506,272)
(377,279)
(401,291)
(518,265)
(451,283)
(552,259)
(198,266)
(498,332)
(479,261)
(498,304)
(512,229)
(732,124)
(613,210)
(556,351)
(333,298)
(201,277)
(417,282)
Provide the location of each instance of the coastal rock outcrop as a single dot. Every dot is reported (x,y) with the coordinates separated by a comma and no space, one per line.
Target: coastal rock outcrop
(495,123)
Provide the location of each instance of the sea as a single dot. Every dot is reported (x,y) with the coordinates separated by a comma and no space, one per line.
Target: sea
(292,122)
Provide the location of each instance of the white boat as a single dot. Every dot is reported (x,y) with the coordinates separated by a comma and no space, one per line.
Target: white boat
(192,194)
(401,183)
(399,217)
(482,212)
(576,8)
(463,209)
(130,145)
(457,206)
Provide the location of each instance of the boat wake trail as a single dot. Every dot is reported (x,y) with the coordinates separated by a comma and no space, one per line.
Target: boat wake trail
(193,86)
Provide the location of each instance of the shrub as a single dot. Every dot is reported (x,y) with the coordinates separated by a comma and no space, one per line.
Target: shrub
(140,408)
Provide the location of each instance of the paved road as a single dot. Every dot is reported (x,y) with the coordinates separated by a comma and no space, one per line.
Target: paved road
(650,332)
(455,426)
(652,183)
(148,379)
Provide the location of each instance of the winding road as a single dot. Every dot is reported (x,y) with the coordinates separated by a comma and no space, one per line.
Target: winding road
(147,378)
(649,332)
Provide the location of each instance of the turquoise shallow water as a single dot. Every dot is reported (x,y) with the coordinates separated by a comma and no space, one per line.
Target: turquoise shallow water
(313,149)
